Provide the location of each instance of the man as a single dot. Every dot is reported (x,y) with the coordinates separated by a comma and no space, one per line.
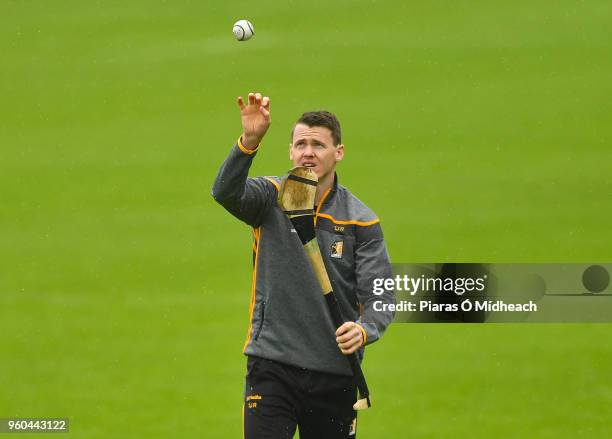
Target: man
(296,373)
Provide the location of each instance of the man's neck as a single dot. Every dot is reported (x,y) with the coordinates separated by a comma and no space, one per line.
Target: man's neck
(324,184)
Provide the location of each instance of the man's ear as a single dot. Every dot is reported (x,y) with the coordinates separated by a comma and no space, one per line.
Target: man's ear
(339,152)
(290,152)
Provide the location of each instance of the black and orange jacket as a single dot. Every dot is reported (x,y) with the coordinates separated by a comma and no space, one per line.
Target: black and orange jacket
(289,320)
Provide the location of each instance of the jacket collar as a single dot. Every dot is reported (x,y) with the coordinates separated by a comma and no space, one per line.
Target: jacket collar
(329,196)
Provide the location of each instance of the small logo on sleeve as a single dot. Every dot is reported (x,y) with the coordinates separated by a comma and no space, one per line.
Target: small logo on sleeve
(336,249)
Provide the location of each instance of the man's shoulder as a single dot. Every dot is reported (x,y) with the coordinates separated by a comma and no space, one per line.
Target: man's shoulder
(269,180)
(353,209)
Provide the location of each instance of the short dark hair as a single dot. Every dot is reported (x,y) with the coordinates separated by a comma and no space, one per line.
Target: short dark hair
(321,118)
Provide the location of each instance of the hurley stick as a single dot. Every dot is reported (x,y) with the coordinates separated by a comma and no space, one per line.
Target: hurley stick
(296,198)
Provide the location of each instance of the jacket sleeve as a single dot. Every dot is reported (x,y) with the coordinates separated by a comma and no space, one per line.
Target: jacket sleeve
(371,262)
(247,199)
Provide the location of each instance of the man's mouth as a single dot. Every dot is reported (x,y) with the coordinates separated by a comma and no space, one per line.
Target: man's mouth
(309,164)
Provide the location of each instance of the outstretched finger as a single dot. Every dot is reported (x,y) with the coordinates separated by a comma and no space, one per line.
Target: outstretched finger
(265,102)
(265,113)
(258,98)
(241,103)
(251,98)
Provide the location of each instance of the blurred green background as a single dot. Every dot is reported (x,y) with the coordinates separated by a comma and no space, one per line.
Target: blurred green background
(478,131)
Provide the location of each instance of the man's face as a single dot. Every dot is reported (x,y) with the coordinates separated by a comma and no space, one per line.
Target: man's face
(314,147)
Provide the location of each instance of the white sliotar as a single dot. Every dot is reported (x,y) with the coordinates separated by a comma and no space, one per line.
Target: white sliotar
(243,30)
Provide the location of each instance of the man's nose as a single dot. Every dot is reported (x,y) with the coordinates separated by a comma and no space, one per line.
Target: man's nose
(309,151)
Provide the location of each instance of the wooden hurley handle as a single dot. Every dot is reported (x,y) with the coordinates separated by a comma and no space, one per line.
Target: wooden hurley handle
(316,260)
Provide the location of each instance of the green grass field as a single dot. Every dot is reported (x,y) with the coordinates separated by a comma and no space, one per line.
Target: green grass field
(478,131)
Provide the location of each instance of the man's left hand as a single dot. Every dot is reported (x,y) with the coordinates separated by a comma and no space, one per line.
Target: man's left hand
(349,337)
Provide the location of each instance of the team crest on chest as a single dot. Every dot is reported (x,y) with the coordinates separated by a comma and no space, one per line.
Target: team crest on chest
(336,249)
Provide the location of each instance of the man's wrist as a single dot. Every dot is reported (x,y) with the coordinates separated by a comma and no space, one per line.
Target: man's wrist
(246,146)
(250,142)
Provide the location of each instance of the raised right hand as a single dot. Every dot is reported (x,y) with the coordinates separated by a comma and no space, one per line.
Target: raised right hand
(255,119)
